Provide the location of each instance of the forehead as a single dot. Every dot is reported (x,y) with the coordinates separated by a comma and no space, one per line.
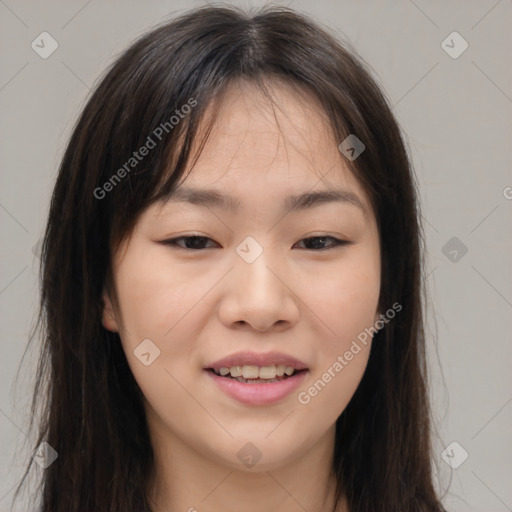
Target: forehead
(281,146)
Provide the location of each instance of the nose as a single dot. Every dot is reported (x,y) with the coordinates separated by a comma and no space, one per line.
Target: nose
(259,295)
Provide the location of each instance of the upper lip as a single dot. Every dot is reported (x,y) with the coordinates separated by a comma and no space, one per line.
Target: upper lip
(255,359)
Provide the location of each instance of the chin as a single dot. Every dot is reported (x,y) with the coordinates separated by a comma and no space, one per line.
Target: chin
(259,453)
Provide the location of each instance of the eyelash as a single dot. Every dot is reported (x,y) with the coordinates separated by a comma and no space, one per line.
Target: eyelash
(337,242)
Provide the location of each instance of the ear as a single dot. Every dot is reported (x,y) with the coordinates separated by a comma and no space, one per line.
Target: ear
(108,319)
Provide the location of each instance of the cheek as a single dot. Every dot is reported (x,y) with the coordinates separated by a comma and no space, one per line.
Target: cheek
(347,305)
(347,300)
(157,302)
(343,353)
(152,295)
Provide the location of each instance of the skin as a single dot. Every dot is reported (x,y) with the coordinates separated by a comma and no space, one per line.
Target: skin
(200,305)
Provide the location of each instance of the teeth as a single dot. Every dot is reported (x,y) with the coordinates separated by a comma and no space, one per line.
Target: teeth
(249,372)
(236,371)
(268,372)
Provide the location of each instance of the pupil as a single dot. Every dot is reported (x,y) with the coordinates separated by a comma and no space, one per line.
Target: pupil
(196,241)
(317,242)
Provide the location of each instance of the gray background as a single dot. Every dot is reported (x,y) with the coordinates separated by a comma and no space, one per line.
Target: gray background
(456,114)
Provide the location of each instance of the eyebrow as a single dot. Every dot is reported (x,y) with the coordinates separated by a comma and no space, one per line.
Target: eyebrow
(215,199)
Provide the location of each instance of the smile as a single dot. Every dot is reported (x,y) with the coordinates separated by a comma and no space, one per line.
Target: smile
(257,379)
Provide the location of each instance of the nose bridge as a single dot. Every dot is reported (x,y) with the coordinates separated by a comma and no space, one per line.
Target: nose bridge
(253,267)
(257,294)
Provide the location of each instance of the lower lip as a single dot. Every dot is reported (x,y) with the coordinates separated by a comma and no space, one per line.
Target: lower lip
(258,394)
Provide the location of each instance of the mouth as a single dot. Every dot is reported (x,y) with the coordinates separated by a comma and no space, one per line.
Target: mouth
(257,379)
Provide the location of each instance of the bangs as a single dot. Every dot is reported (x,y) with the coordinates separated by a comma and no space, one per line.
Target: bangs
(181,147)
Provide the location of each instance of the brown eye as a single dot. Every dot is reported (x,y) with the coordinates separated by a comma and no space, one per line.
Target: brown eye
(318,242)
(191,242)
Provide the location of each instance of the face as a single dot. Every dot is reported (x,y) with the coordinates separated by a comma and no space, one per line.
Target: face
(267,286)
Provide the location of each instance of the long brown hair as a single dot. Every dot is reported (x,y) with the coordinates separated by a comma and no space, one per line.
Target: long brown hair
(87,405)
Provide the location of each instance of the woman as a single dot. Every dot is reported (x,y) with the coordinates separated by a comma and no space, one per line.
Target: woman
(231,283)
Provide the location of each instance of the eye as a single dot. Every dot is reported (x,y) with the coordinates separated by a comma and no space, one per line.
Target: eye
(318,242)
(197,243)
(192,242)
